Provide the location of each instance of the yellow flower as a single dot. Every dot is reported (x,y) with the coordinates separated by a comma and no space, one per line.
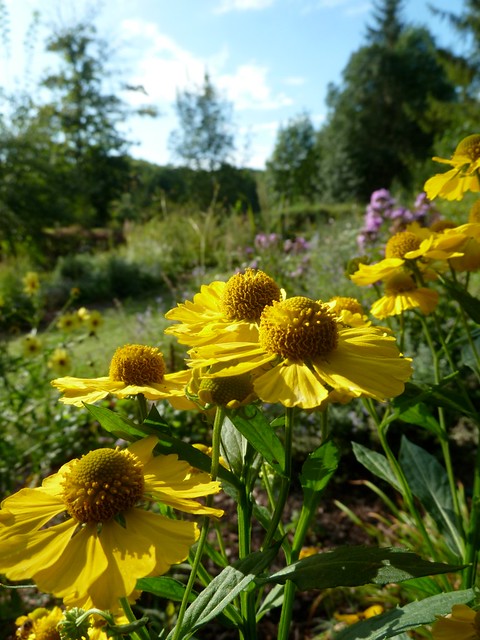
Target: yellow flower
(352,618)
(463,177)
(306,552)
(68,322)
(134,369)
(407,246)
(469,260)
(40,624)
(93,319)
(230,392)
(31,345)
(224,311)
(31,283)
(60,361)
(401,293)
(85,534)
(349,311)
(463,624)
(303,355)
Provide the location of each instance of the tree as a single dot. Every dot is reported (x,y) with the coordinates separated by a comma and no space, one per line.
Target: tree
(380,123)
(204,139)
(292,169)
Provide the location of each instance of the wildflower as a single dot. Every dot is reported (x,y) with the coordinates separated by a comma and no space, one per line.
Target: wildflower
(408,246)
(86,535)
(463,177)
(303,354)
(230,392)
(31,283)
(401,293)
(352,618)
(462,624)
(349,311)
(306,552)
(224,310)
(93,319)
(133,369)
(68,322)
(60,361)
(31,345)
(40,624)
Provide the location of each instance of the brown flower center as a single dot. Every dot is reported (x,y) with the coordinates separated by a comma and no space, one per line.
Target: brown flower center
(401,243)
(137,365)
(247,294)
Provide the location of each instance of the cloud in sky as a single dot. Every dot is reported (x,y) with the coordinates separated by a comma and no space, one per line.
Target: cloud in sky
(226,6)
(165,67)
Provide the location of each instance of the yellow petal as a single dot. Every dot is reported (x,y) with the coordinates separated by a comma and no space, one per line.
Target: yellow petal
(292,384)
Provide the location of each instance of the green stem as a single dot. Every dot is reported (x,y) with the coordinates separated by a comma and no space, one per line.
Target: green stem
(217,425)
(141,633)
(142,407)
(289,592)
(473,532)
(285,482)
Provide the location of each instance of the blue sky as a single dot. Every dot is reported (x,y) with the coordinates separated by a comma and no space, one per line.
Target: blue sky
(272,59)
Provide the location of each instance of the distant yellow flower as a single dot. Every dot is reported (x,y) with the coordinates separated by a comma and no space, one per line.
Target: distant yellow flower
(306,552)
(352,618)
(224,311)
(401,294)
(86,535)
(31,283)
(463,177)
(40,624)
(68,322)
(60,361)
(92,319)
(303,355)
(462,624)
(134,369)
(31,345)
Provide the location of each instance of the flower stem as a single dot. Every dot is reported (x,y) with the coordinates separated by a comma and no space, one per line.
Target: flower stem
(141,633)
(217,425)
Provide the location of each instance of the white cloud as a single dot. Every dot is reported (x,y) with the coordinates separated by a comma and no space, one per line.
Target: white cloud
(248,88)
(294,81)
(226,6)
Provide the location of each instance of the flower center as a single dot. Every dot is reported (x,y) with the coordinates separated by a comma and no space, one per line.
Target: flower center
(401,243)
(298,328)
(102,484)
(347,304)
(222,391)
(469,146)
(137,365)
(247,294)
(399,283)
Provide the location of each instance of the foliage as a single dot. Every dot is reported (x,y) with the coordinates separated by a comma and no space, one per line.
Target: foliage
(293,167)
(379,122)
(204,139)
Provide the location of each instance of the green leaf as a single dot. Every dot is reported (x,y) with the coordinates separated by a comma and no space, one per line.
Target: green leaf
(233,446)
(223,589)
(469,303)
(420,415)
(357,565)
(376,463)
(398,621)
(118,425)
(428,481)
(164,587)
(254,426)
(317,470)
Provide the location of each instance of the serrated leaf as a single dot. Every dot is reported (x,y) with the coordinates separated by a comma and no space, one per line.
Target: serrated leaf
(357,565)
(254,426)
(376,463)
(223,589)
(397,622)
